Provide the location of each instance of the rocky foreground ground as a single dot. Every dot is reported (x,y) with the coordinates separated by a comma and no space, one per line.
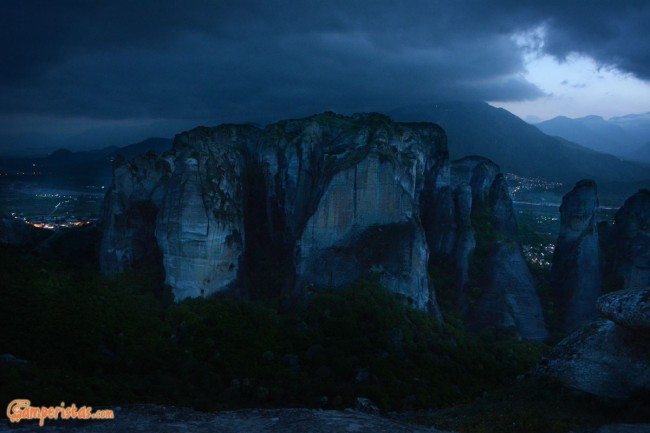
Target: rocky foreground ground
(165,419)
(160,419)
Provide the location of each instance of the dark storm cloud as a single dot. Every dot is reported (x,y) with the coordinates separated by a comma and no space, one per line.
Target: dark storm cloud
(241,60)
(614,33)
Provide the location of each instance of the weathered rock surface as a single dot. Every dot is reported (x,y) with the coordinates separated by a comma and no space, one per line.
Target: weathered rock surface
(335,198)
(160,419)
(629,308)
(130,209)
(182,210)
(631,237)
(368,217)
(502,216)
(602,358)
(450,232)
(576,268)
(200,227)
(479,224)
(509,301)
(320,202)
(465,239)
(607,358)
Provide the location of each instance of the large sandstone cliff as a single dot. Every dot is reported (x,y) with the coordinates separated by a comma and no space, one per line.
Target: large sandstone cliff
(473,231)
(367,220)
(200,228)
(610,356)
(576,261)
(337,198)
(319,203)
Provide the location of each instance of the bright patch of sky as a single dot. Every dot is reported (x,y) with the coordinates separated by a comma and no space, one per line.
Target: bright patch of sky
(575,86)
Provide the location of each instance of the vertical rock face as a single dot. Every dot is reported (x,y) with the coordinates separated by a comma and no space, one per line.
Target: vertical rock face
(182,210)
(130,210)
(509,299)
(200,228)
(466,239)
(321,202)
(502,216)
(631,238)
(336,198)
(471,181)
(477,237)
(576,262)
(345,194)
(367,222)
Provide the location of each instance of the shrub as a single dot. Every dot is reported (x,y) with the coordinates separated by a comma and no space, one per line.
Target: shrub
(112,342)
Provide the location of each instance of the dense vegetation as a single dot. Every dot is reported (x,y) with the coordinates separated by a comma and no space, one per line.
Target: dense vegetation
(109,342)
(92,340)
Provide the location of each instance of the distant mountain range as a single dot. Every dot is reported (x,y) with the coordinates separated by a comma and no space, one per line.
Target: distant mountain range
(94,165)
(477,128)
(473,128)
(627,137)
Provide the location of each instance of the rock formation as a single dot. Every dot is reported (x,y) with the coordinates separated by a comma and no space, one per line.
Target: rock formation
(629,308)
(130,209)
(509,299)
(474,231)
(576,268)
(15,231)
(167,419)
(319,203)
(200,227)
(367,219)
(337,198)
(608,357)
(630,236)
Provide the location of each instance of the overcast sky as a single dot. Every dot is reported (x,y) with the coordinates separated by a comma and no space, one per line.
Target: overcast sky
(101,72)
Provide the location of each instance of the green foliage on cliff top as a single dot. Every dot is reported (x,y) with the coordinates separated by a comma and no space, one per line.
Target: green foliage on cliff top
(111,342)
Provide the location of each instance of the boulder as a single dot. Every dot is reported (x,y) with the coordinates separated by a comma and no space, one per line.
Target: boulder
(628,308)
(608,358)
(601,358)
